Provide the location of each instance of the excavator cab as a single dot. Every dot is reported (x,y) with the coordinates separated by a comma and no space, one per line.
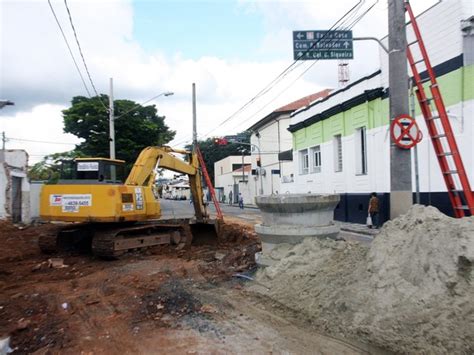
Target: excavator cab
(92,170)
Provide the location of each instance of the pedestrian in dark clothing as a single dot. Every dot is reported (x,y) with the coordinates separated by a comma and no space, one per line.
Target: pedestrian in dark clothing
(374,210)
(230,198)
(241,201)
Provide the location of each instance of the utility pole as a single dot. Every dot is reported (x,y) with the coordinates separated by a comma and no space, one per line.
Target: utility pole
(4,140)
(243,173)
(415,148)
(400,159)
(194,116)
(111,120)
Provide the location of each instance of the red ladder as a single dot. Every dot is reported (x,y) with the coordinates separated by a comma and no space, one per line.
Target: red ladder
(209,183)
(439,128)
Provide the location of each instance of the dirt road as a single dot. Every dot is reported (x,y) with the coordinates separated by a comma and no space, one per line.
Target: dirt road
(159,301)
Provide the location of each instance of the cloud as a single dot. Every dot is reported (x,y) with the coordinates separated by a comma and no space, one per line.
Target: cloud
(39,76)
(39,131)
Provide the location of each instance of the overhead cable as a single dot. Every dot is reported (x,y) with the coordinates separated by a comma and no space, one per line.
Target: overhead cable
(285,72)
(69,48)
(82,55)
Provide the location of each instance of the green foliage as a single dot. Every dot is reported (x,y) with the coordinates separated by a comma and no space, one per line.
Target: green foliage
(212,152)
(88,119)
(49,168)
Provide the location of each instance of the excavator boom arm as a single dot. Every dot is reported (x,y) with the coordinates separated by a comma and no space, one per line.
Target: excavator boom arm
(143,172)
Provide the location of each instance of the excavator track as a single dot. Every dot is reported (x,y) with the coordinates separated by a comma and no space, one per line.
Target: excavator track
(113,240)
(113,243)
(48,242)
(58,238)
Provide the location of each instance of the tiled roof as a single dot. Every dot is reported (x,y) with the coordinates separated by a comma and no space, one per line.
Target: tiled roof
(289,108)
(304,101)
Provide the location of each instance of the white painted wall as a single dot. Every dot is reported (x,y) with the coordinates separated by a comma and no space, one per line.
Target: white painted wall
(349,93)
(35,193)
(378,173)
(16,162)
(274,138)
(225,178)
(441,32)
(440,27)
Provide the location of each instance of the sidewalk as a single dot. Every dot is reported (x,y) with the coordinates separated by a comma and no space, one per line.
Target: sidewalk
(358,228)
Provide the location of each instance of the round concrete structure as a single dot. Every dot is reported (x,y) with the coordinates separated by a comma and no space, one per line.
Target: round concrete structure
(289,218)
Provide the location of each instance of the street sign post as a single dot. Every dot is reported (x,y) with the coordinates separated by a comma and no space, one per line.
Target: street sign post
(321,44)
(405,132)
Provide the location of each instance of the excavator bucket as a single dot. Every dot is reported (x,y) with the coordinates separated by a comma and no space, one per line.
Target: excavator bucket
(205,233)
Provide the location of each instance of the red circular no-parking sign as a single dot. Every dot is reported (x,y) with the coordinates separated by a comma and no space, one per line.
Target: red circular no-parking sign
(405,132)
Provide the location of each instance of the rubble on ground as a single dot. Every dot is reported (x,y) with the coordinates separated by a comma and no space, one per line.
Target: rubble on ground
(410,292)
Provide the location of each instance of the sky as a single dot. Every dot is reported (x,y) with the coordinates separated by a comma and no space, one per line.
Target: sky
(231,49)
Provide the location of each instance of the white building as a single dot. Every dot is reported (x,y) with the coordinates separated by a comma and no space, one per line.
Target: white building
(341,144)
(228,176)
(14,186)
(177,189)
(270,137)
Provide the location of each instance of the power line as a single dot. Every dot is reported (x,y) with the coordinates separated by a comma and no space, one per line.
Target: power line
(69,48)
(35,141)
(347,17)
(143,103)
(354,20)
(82,55)
(285,72)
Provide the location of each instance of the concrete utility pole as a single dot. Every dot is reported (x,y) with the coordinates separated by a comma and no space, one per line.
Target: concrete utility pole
(415,148)
(400,159)
(111,120)
(194,116)
(2,153)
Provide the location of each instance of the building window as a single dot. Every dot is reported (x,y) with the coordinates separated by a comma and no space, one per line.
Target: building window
(316,159)
(304,161)
(222,170)
(337,153)
(361,151)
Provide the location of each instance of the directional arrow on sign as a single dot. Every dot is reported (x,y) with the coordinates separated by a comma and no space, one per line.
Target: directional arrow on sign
(299,35)
(346,44)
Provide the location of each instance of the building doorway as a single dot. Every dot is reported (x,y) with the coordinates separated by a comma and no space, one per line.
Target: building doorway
(16,199)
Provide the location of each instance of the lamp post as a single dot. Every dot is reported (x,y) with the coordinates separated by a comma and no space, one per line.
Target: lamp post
(4,103)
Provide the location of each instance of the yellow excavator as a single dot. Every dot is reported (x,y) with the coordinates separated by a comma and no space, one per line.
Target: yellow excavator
(110,214)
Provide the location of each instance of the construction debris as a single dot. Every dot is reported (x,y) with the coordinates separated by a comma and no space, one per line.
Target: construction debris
(56,263)
(410,292)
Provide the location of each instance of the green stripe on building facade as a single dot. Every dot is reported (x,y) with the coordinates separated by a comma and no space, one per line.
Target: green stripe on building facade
(456,86)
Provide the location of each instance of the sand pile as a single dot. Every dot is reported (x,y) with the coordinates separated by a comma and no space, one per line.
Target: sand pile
(411,291)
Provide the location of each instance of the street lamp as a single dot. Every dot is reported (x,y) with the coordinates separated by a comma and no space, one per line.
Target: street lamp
(167,93)
(112,118)
(4,103)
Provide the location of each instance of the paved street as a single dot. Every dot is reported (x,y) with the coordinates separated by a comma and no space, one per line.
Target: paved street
(183,209)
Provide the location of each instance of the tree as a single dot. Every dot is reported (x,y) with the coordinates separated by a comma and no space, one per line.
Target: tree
(49,168)
(87,118)
(211,152)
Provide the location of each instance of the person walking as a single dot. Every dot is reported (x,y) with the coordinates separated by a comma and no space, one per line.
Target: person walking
(374,210)
(230,198)
(241,201)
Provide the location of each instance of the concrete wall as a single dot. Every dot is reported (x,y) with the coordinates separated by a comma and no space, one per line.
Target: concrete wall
(15,165)
(35,193)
